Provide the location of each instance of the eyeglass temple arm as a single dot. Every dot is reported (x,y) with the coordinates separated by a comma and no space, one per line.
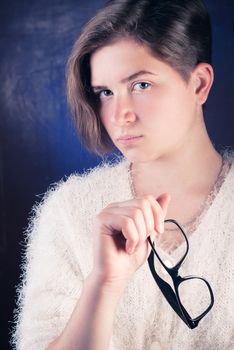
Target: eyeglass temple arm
(168,293)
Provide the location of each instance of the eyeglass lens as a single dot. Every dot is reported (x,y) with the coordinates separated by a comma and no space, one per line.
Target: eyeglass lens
(171,248)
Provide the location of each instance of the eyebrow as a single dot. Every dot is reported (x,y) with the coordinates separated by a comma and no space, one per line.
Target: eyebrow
(129,78)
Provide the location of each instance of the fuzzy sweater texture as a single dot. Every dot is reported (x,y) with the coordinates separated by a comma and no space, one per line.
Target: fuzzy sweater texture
(59,256)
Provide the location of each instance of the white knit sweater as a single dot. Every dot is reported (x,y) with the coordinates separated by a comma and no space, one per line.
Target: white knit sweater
(59,257)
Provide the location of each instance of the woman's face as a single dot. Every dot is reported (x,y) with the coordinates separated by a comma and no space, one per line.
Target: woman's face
(146,107)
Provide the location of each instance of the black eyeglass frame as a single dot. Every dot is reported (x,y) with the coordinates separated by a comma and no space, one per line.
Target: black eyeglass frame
(171,296)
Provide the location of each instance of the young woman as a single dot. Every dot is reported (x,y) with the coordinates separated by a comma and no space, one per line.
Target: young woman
(138,78)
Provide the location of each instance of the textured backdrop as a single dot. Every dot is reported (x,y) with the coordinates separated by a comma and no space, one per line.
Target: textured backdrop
(38,144)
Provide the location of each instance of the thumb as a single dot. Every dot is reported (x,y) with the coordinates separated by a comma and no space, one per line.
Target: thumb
(164,200)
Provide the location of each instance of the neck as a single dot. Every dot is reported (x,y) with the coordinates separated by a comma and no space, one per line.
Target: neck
(194,166)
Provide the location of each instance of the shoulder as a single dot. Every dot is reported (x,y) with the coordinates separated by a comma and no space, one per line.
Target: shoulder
(109,181)
(64,218)
(103,180)
(105,174)
(68,206)
(223,204)
(229,181)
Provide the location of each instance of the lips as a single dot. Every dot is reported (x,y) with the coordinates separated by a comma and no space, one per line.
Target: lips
(129,140)
(128,137)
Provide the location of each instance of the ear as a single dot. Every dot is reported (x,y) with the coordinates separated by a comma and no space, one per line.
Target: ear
(203,77)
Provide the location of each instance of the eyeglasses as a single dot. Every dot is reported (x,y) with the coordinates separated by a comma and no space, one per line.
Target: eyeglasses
(183,286)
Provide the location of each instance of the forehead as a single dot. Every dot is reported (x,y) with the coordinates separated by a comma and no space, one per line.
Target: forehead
(122,58)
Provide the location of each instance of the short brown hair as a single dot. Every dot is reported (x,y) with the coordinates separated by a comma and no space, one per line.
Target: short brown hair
(176,31)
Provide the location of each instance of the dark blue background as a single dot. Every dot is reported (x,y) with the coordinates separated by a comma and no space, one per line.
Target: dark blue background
(38,144)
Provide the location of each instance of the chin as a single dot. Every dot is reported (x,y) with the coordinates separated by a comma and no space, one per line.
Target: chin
(138,157)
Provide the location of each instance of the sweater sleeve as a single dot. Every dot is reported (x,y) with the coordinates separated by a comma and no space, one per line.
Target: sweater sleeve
(51,280)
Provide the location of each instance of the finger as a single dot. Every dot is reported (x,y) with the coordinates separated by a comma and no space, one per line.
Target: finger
(152,211)
(137,215)
(152,237)
(146,211)
(144,205)
(158,214)
(130,233)
(115,220)
(164,200)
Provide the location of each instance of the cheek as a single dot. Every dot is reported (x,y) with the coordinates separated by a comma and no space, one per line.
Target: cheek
(158,110)
(104,114)
(148,107)
(175,107)
(168,117)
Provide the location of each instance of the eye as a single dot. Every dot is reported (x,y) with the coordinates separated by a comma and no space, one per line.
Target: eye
(141,86)
(103,93)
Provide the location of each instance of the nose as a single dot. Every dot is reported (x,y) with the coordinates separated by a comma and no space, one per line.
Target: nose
(123,110)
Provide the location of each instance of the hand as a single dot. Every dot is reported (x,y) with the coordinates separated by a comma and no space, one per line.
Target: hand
(121,232)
